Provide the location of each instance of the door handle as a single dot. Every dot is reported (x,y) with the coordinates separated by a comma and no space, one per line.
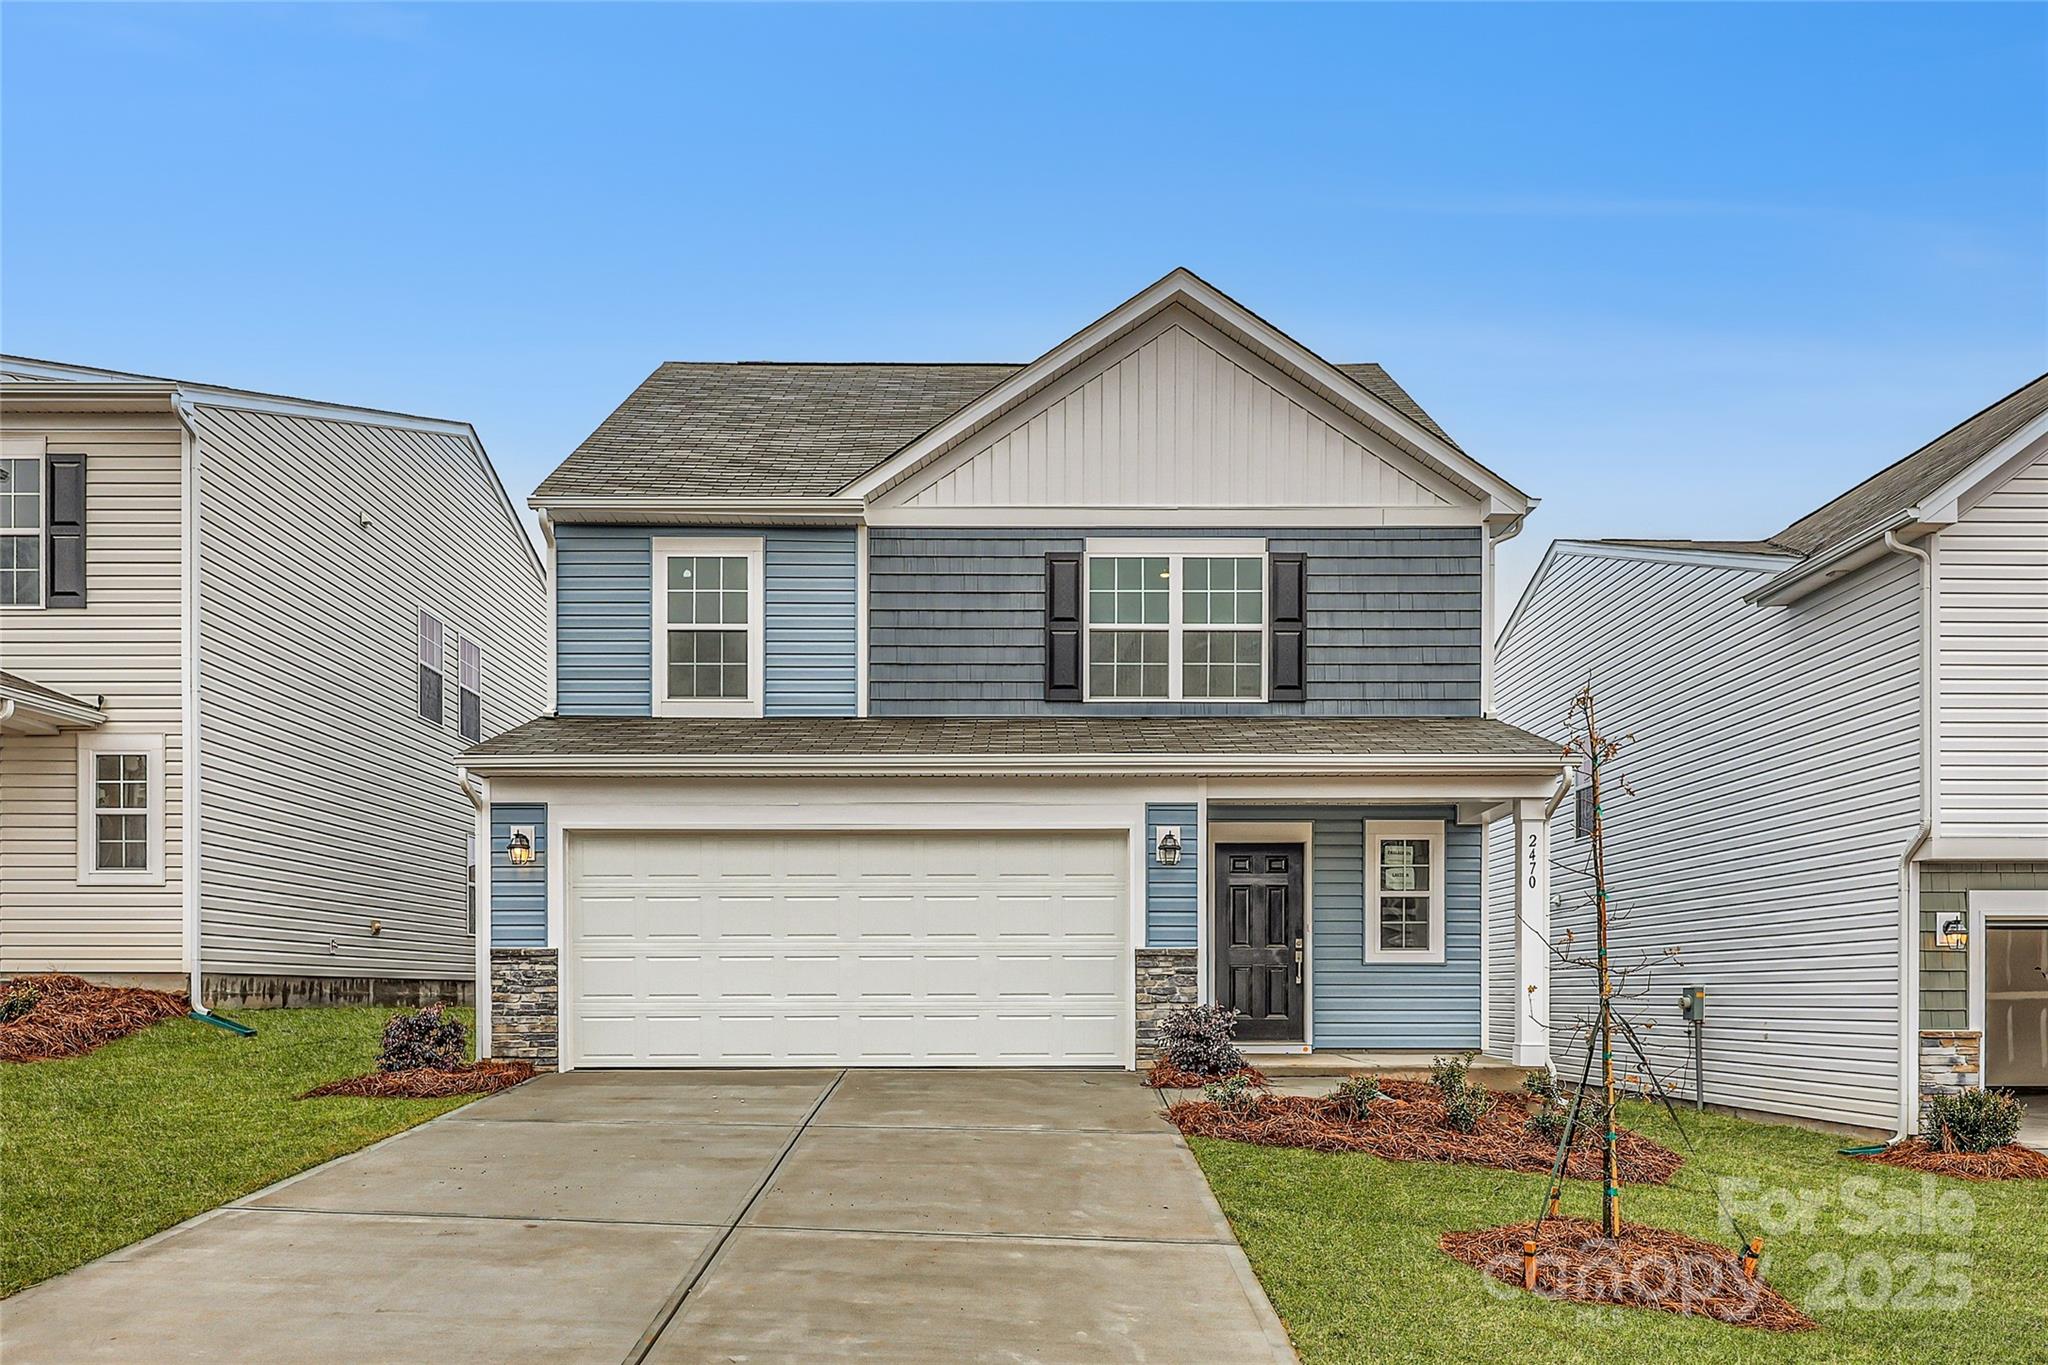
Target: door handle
(1297,965)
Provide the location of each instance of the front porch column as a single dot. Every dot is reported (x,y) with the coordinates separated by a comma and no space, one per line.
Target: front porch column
(1532,935)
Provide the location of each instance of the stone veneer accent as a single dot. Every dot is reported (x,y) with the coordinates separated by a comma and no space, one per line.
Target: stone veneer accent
(1950,1060)
(525,1006)
(1166,981)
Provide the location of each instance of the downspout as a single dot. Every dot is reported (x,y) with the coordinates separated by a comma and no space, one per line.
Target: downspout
(1909,885)
(188,537)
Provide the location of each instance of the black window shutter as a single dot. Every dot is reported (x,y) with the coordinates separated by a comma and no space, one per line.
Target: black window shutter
(1062,627)
(1289,628)
(67,531)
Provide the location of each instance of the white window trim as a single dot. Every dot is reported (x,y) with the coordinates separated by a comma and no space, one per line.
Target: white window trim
(460,688)
(40,531)
(439,665)
(1376,833)
(151,747)
(1174,551)
(750,548)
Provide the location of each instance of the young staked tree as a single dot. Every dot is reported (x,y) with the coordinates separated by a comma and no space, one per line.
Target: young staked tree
(1616,980)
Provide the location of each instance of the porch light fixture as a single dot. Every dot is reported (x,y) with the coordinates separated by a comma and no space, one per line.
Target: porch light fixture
(1955,933)
(1169,847)
(519,848)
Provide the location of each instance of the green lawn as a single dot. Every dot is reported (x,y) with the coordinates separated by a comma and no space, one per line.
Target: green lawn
(101,1150)
(1346,1247)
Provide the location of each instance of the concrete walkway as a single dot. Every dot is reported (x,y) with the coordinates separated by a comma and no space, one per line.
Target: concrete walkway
(704,1216)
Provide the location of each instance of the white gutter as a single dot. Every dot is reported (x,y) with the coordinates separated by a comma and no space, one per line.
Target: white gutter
(6,709)
(1049,765)
(1909,884)
(665,509)
(1816,572)
(188,683)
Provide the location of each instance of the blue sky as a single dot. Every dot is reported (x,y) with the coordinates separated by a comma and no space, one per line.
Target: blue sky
(1678,270)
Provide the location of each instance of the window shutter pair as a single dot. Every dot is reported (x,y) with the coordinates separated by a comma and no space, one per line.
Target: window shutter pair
(66,527)
(1286,626)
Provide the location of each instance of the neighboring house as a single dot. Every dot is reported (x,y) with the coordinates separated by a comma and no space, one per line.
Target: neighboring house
(1839,776)
(978,714)
(242,638)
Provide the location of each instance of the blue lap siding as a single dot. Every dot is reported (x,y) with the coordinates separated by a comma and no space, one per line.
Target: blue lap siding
(519,895)
(604,619)
(957,625)
(1172,894)
(1360,1004)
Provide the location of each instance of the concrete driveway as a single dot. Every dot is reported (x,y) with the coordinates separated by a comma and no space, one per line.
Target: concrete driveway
(704,1216)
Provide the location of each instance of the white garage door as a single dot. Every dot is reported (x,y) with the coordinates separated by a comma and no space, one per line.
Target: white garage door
(875,949)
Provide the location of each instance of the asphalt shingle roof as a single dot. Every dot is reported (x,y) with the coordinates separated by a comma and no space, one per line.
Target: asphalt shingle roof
(1738,547)
(1013,736)
(761,429)
(1894,489)
(14,682)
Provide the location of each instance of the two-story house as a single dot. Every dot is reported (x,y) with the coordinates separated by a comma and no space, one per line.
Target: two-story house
(1838,781)
(913,714)
(242,638)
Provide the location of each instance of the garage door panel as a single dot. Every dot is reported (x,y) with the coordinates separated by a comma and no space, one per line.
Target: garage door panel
(858,948)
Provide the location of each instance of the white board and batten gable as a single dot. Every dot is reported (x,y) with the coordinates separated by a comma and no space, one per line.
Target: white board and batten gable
(1182,408)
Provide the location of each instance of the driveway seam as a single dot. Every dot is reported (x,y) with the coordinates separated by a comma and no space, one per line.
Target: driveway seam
(479,1217)
(666,1314)
(1062,1238)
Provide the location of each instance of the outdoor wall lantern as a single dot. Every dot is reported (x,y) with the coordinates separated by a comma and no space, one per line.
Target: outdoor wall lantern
(1169,846)
(1955,933)
(519,848)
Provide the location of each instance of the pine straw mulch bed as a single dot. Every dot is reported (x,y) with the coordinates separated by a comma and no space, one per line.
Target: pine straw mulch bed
(428,1083)
(1164,1075)
(2010,1162)
(1647,1268)
(1407,1124)
(72,1016)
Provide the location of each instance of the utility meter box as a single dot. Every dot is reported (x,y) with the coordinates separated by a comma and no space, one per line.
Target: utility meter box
(1692,1004)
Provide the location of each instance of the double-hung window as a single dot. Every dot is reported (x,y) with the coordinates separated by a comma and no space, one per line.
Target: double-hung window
(469,682)
(707,626)
(21,531)
(1404,920)
(433,665)
(1176,621)
(120,807)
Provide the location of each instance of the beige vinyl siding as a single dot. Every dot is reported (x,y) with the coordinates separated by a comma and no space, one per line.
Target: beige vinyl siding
(1176,415)
(335,836)
(1991,702)
(124,647)
(1775,768)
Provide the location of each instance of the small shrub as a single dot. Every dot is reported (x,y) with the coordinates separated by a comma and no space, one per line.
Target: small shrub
(1973,1120)
(1448,1074)
(1465,1106)
(1542,1085)
(428,1038)
(1198,1038)
(1355,1094)
(1237,1094)
(1548,1122)
(18,999)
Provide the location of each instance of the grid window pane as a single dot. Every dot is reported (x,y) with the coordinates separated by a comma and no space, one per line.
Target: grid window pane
(1127,664)
(1221,664)
(1223,592)
(121,843)
(1404,922)
(707,590)
(21,495)
(1129,590)
(120,781)
(1404,865)
(21,570)
(707,664)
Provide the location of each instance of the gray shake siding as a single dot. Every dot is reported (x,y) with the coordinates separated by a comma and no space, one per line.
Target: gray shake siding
(956,621)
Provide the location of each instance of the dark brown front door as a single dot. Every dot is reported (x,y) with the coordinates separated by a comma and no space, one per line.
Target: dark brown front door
(1260,958)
